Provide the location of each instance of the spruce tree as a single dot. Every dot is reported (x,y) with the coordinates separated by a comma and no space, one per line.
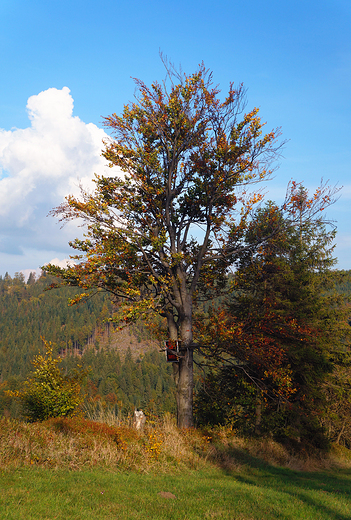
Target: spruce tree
(276,332)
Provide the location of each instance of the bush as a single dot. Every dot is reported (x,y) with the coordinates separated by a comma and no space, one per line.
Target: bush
(48,392)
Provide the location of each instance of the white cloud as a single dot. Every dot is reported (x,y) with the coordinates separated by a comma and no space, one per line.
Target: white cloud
(39,166)
(61,263)
(27,272)
(55,261)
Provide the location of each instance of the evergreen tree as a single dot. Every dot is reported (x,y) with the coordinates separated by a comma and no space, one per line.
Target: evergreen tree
(281,325)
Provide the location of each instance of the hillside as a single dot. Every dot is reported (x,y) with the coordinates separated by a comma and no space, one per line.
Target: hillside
(127,369)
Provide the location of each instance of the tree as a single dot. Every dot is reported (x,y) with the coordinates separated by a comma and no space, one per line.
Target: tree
(31,278)
(166,233)
(282,323)
(336,417)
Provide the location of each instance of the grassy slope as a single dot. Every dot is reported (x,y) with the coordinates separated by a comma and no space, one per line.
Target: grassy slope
(255,493)
(76,469)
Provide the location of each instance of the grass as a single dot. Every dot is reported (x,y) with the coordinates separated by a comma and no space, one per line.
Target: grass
(76,469)
(256,493)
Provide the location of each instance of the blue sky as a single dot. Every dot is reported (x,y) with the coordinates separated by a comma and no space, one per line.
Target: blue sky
(64,65)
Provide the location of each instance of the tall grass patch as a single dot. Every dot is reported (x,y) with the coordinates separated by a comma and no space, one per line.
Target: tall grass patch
(77,443)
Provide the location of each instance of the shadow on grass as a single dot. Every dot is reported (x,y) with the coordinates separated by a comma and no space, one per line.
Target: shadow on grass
(322,491)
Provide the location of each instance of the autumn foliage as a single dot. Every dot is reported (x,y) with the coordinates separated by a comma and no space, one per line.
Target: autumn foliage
(167,229)
(48,392)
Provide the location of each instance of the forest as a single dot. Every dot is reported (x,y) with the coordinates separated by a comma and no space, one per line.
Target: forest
(127,370)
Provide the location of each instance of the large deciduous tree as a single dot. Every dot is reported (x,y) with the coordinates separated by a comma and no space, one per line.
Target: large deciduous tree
(168,230)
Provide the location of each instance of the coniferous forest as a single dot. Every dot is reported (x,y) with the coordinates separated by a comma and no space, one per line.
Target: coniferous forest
(126,369)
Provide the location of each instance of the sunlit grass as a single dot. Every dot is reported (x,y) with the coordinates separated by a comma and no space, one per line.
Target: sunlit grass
(253,493)
(78,469)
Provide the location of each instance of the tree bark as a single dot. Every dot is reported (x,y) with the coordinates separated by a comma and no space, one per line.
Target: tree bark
(185,382)
(258,417)
(185,389)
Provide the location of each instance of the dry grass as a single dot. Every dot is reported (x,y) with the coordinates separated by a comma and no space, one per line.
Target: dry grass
(275,454)
(96,411)
(79,443)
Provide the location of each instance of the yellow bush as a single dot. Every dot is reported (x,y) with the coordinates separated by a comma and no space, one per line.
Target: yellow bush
(48,392)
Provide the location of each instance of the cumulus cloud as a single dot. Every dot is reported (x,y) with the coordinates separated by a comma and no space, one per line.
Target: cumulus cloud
(39,166)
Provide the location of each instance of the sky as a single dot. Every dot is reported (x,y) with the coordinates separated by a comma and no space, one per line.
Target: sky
(67,64)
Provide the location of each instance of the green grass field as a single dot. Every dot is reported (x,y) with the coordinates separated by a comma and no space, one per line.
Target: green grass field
(76,469)
(257,492)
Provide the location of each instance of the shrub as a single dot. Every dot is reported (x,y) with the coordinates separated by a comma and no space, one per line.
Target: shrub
(48,392)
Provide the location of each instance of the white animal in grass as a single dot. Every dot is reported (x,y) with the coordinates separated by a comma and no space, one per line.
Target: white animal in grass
(139,419)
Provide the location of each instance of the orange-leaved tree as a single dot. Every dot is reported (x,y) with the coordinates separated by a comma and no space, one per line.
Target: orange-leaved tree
(166,232)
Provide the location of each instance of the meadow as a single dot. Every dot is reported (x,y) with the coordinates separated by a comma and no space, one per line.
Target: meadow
(75,469)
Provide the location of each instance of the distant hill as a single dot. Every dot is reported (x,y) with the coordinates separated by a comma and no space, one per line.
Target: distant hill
(29,311)
(127,368)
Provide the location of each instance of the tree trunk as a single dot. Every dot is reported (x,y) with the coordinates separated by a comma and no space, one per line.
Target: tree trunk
(185,389)
(258,417)
(341,432)
(183,370)
(185,386)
